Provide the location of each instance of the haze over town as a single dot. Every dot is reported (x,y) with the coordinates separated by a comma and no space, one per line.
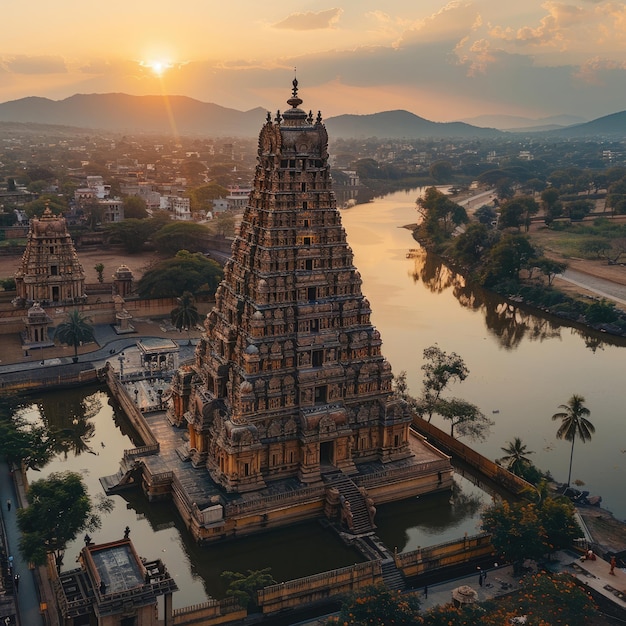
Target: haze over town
(443,61)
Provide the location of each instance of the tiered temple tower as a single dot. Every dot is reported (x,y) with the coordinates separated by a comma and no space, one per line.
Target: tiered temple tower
(50,272)
(290,379)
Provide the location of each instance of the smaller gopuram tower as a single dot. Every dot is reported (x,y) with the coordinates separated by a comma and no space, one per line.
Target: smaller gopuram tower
(291,381)
(50,272)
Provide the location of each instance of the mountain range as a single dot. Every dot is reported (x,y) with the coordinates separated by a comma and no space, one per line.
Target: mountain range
(187,116)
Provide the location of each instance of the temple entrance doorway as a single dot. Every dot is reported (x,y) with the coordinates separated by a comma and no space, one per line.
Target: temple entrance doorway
(327,453)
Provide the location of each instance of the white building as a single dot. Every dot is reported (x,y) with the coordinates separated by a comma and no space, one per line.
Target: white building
(113,210)
(178,206)
(237,197)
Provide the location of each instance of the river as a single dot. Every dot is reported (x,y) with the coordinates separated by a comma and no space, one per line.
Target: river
(521,365)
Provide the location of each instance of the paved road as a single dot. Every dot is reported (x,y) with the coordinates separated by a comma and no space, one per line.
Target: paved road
(27,597)
(603,288)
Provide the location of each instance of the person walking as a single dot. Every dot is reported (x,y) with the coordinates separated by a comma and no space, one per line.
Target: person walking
(613,564)
(9,504)
(425,591)
(16,582)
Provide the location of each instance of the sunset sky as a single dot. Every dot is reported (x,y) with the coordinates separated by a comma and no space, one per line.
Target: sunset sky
(441,60)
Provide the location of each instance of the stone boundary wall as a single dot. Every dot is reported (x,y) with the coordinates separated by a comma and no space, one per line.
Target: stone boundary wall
(210,612)
(118,391)
(12,319)
(319,587)
(456,448)
(32,380)
(455,552)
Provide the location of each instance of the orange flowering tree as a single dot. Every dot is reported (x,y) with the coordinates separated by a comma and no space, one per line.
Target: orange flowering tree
(516,531)
(530,530)
(546,600)
(379,605)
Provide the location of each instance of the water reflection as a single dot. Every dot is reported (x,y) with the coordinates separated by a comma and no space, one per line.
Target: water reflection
(432,519)
(156,527)
(511,324)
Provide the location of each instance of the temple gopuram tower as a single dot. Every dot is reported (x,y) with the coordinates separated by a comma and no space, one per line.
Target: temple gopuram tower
(291,380)
(50,272)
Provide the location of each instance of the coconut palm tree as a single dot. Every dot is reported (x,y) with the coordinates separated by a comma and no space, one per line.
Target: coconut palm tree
(516,457)
(75,330)
(185,315)
(574,423)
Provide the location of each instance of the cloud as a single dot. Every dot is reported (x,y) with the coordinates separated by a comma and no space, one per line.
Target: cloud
(311,20)
(596,71)
(451,23)
(23,64)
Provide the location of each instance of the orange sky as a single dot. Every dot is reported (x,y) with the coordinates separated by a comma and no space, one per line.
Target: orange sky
(443,61)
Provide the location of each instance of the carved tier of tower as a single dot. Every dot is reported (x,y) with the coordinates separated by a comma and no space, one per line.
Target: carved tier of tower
(50,272)
(292,378)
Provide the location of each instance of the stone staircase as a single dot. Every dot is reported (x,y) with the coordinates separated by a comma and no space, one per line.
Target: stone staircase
(346,488)
(392,576)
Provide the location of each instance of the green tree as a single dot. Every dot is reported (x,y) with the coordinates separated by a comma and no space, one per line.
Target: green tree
(440,216)
(557,517)
(184,272)
(516,456)
(135,207)
(401,390)
(223,224)
(518,212)
(469,247)
(59,508)
(440,370)
(485,214)
(244,587)
(441,171)
(99,267)
(94,213)
(131,233)
(516,531)
(550,268)
(466,419)
(181,236)
(185,315)
(507,258)
(202,197)
(601,312)
(579,209)
(36,208)
(378,605)
(551,205)
(75,330)
(574,423)
(25,445)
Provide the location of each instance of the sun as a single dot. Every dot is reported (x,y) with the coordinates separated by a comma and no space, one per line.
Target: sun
(158,68)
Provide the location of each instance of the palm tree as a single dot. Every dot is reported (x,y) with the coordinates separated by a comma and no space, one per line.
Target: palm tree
(75,331)
(185,315)
(574,423)
(516,457)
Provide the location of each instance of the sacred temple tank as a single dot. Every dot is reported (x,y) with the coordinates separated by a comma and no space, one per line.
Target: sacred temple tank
(289,381)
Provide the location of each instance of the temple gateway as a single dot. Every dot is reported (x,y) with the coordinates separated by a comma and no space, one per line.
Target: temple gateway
(289,405)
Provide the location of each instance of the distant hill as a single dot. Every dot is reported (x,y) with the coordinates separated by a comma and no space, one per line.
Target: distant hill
(613,125)
(121,112)
(514,123)
(401,124)
(187,116)
(156,114)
